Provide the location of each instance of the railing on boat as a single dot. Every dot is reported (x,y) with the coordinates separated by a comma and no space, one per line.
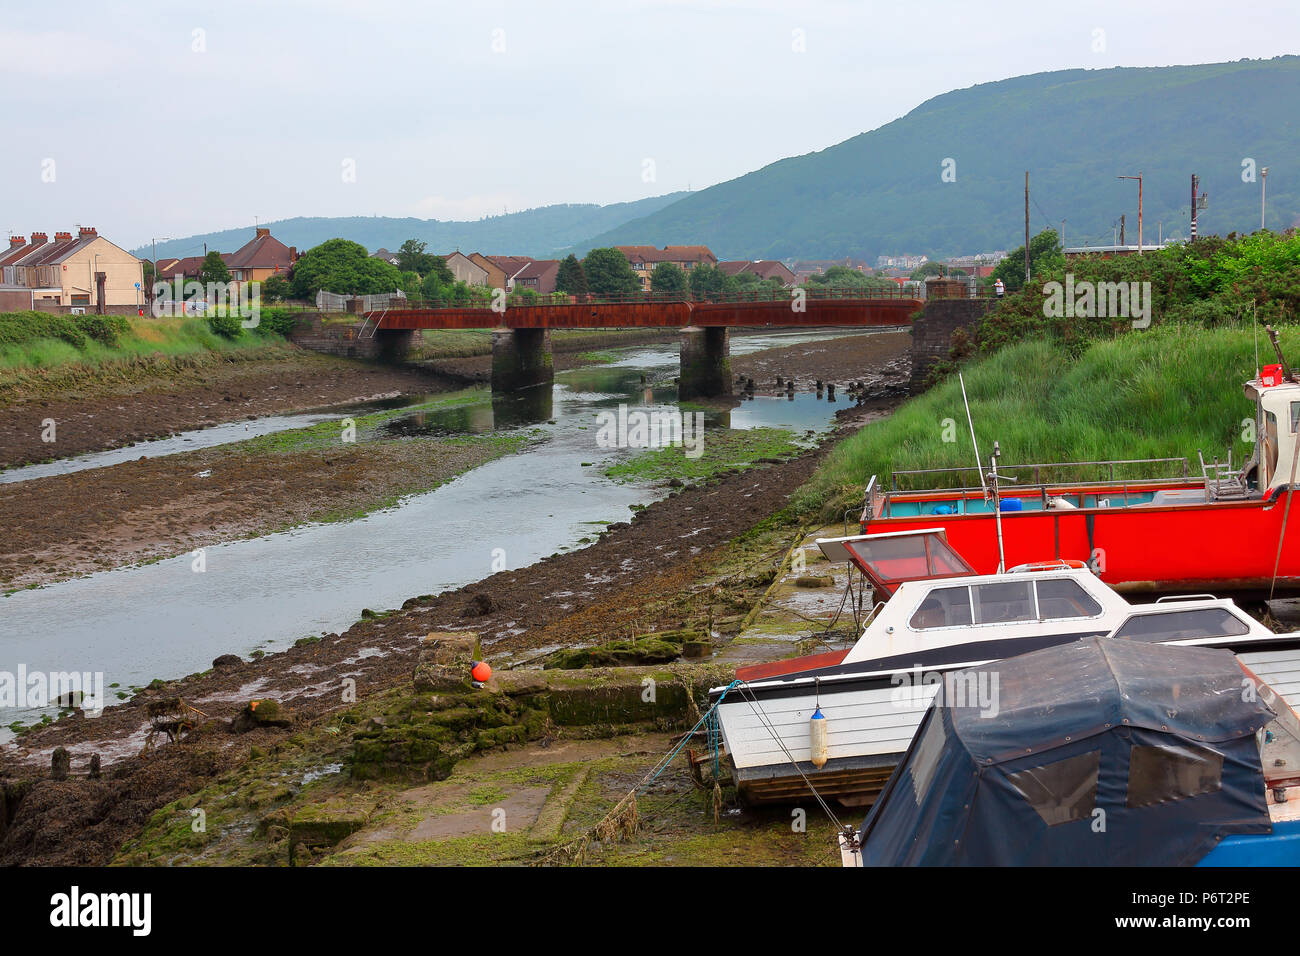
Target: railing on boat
(1121,485)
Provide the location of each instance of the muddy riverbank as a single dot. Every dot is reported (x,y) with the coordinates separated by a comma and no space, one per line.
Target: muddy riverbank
(697,560)
(643,575)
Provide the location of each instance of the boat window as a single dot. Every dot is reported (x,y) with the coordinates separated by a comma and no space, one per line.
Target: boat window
(1062,791)
(1061,598)
(1295,415)
(1172,772)
(943,607)
(1004,602)
(928,751)
(1270,442)
(1156,627)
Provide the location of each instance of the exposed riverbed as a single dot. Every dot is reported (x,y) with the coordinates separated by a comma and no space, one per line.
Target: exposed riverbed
(167,618)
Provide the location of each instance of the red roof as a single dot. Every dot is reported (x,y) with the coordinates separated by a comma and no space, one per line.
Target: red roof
(263,251)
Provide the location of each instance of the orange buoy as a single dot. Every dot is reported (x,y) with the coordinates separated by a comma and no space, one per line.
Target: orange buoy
(481,672)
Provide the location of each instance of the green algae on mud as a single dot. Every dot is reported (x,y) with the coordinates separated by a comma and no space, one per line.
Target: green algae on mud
(722,451)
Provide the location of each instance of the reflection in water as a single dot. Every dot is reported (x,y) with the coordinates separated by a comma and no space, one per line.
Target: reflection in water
(529,406)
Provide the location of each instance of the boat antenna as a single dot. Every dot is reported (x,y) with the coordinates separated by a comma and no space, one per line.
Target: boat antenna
(997,505)
(979,466)
(1272,337)
(1254,325)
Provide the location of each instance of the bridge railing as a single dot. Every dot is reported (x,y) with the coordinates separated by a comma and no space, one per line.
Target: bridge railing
(491,299)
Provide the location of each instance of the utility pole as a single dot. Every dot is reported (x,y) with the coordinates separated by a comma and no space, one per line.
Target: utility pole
(1026,227)
(1062,235)
(1263,191)
(1138,177)
(1195,183)
(1122,240)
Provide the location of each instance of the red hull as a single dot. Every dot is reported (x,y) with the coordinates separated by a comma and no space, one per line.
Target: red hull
(1223,546)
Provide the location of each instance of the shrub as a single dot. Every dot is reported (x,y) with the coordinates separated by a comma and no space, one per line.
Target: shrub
(227,326)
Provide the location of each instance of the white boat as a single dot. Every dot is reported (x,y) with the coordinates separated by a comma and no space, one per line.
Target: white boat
(941,619)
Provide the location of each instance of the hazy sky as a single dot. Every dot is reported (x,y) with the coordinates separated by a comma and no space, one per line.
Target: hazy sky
(169,119)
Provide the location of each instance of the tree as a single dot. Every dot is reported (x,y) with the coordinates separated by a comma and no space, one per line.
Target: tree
(609,273)
(343,267)
(213,269)
(668,277)
(412,257)
(927,269)
(275,288)
(1044,253)
(709,282)
(570,277)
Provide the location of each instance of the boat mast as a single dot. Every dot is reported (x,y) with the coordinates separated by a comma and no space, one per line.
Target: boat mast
(997,505)
(979,466)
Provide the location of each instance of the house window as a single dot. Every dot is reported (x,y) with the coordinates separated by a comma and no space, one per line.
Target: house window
(1062,791)
(1172,772)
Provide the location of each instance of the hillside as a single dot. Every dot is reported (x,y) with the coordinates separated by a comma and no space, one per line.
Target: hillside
(534,232)
(1074,130)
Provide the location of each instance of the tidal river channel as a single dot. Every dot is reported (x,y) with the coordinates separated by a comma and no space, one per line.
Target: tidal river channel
(163,620)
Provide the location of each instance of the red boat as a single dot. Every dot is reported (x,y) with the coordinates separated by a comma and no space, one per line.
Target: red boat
(1224,531)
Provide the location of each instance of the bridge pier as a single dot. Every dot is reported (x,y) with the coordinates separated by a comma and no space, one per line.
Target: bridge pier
(521,358)
(706,362)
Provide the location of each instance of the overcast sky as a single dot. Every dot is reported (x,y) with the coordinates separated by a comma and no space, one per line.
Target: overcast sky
(170,119)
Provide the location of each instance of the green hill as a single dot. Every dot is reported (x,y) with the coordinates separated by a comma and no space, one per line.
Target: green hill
(537,232)
(1074,130)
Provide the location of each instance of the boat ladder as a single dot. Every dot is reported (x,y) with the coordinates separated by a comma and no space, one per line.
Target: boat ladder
(1221,482)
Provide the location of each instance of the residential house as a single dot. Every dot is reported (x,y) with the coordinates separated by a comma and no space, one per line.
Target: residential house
(260,258)
(539,276)
(84,271)
(465,269)
(382,253)
(763,268)
(643,259)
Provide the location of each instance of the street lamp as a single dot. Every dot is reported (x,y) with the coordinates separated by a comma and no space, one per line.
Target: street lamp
(1138,177)
(1263,190)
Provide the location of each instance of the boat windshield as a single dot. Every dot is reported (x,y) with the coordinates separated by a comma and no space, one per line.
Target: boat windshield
(890,559)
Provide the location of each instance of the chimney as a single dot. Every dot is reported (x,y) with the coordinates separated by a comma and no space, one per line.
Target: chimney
(84,231)
(293,253)
(263,232)
(16,241)
(39,238)
(63,237)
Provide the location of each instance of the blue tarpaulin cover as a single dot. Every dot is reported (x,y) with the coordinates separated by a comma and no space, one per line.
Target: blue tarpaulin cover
(1098,752)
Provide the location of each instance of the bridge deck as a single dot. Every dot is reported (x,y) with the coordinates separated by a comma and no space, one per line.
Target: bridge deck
(886,311)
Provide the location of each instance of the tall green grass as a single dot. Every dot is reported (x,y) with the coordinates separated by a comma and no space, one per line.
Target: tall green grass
(146,336)
(1161,393)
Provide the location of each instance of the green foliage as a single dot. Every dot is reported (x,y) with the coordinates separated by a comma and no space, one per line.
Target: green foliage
(19,327)
(225,324)
(709,282)
(609,273)
(343,267)
(1207,283)
(928,269)
(213,269)
(275,288)
(843,277)
(1160,393)
(277,321)
(570,277)
(667,277)
(1044,254)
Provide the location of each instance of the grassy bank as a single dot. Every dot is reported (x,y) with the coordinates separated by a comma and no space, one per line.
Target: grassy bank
(1163,392)
(31,362)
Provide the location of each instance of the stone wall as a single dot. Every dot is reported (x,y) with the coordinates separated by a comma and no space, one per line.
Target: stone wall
(345,339)
(932,331)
